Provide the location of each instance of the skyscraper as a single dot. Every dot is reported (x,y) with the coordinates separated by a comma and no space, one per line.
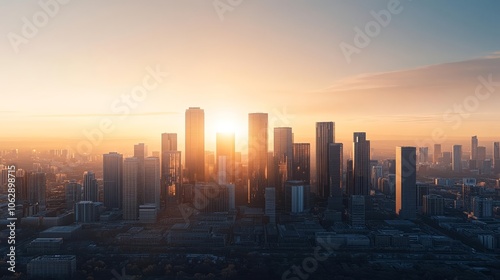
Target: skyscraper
(140,153)
(457,158)
(225,157)
(152,181)
(496,158)
(37,184)
(195,144)
(168,142)
(301,162)
(335,170)
(257,157)
(73,193)
(171,177)
(283,159)
(112,180)
(283,147)
(423,155)
(480,157)
(349,182)
(361,164)
(437,153)
(473,150)
(90,190)
(325,134)
(130,201)
(406,182)
(496,150)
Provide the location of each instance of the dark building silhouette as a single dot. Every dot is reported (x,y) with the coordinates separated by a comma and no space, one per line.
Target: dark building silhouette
(257,157)
(325,134)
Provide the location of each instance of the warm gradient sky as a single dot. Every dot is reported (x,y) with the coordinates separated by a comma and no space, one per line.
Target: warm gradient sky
(280,57)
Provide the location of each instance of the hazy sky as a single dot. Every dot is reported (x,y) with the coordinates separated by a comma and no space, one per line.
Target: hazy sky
(280,57)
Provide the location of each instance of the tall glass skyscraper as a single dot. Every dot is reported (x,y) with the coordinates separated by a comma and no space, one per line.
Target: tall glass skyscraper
(325,134)
(406,182)
(130,201)
(257,157)
(195,144)
(112,177)
(361,164)
(90,190)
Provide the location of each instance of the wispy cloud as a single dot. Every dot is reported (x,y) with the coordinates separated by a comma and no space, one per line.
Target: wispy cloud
(423,91)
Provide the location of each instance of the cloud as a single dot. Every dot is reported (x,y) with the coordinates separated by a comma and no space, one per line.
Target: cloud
(423,91)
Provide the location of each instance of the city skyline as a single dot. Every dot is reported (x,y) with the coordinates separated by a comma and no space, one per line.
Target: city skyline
(238,139)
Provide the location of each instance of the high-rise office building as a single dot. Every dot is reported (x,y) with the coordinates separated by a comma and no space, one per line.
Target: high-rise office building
(349,178)
(37,185)
(87,211)
(480,157)
(112,180)
(437,153)
(283,160)
(473,150)
(421,190)
(73,193)
(283,147)
(140,153)
(406,182)
(457,158)
(171,177)
(90,189)
(335,174)
(195,144)
(168,142)
(21,185)
(257,157)
(152,181)
(301,162)
(225,156)
(496,158)
(130,201)
(356,211)
(377,173)
(361,164)
(325,134)
(423,155)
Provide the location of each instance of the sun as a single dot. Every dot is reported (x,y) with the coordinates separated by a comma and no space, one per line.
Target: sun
(226,125)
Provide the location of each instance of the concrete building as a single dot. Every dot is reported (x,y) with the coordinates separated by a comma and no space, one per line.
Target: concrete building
(52,266)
